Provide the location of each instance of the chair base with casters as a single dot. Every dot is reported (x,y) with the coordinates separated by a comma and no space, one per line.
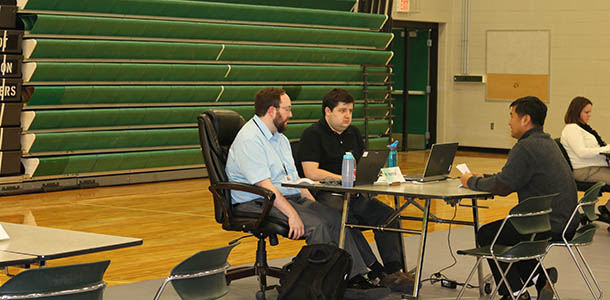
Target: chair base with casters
(529,217)
(260,269)
(70,282)
(584,236)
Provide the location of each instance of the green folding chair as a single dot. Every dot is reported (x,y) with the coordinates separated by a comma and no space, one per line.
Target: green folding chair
(71,282)
(584,235)
(201,276)
(530,216)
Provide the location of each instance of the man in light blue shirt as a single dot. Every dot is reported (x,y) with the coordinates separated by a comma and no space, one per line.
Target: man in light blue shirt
(261,155)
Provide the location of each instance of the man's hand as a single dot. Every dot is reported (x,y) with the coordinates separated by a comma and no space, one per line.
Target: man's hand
(305,193)
(297,229)
(464,178)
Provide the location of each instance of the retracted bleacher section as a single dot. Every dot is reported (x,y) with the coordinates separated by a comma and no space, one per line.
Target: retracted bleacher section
(115,86)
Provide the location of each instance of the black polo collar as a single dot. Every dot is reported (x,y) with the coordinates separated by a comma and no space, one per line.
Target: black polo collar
(326,127)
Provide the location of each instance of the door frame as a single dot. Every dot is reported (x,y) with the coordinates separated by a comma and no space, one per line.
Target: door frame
(432,80)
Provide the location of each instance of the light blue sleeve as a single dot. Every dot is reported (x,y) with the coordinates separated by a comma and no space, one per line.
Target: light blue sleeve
(252,160)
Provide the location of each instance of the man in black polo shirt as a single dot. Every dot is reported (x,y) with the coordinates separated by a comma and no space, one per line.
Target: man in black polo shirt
(535,167)
(320,154)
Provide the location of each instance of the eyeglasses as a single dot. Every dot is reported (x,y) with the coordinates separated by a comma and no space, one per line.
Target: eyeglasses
(286,108)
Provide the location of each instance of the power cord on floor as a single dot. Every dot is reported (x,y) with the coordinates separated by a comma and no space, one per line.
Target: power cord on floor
(439,276)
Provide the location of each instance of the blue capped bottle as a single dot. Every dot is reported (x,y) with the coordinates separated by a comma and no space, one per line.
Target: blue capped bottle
(392,155)
(347,170)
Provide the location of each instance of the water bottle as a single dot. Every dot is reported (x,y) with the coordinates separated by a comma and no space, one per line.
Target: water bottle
(392,155)
(347,170)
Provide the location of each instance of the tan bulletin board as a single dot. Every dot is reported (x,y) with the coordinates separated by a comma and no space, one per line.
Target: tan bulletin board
(518,64)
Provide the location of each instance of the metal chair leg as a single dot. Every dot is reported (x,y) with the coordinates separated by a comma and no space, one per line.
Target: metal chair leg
(161,288)
(548,279)
(479,259)
(582,258)
(582,273)
(503,279)
(529,278)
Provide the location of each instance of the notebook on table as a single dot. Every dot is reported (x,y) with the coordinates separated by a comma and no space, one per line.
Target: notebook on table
(438,165)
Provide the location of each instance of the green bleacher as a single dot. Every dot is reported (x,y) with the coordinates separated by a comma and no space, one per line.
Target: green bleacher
(46,120)
(42,49)
(209,11)
(69,73)
(111,28)
(115,86)
(90,96)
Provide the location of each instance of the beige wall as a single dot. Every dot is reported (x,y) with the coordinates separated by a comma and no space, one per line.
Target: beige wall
(579,65)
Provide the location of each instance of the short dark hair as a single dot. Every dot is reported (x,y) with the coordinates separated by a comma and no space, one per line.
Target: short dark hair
(575,108)
(531,106)
(334,96)
(265,98)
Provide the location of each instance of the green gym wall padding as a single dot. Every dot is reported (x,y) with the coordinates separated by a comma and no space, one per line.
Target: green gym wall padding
(150,29)
(91,95)
(113,139)
(212,11)
(131,50)
(121,117)
(130,72)
(93,163)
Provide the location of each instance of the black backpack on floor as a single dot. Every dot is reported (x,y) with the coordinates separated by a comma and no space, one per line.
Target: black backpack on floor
(318,272)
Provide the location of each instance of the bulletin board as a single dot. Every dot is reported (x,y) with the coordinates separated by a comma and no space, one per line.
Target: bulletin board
(518,64)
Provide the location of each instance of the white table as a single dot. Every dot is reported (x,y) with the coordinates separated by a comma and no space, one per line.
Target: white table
(13,259)
(46,243)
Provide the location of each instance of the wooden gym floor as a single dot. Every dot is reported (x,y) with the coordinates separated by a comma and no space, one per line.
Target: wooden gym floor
(176,219)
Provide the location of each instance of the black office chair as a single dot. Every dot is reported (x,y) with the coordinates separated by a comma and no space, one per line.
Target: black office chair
(217,130)
(583,186)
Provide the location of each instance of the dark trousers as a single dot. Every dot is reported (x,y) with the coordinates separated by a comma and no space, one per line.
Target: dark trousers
(366,210)
(520,271)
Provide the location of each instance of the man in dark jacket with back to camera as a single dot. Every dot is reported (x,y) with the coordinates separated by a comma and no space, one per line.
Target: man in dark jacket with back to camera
(535,167)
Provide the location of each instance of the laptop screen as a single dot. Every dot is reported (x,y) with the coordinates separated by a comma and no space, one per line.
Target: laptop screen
(440,160)
(369,165)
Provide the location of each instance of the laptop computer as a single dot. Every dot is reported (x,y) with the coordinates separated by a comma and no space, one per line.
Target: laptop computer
(369,166)
(438,165)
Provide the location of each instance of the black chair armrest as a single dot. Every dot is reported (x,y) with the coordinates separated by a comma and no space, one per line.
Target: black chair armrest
(266,194)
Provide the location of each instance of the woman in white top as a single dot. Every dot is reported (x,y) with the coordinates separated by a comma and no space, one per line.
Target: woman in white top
(583,145)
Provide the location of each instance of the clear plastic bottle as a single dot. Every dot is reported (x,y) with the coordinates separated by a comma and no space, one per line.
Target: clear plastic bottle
(392,155)
(347,170)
